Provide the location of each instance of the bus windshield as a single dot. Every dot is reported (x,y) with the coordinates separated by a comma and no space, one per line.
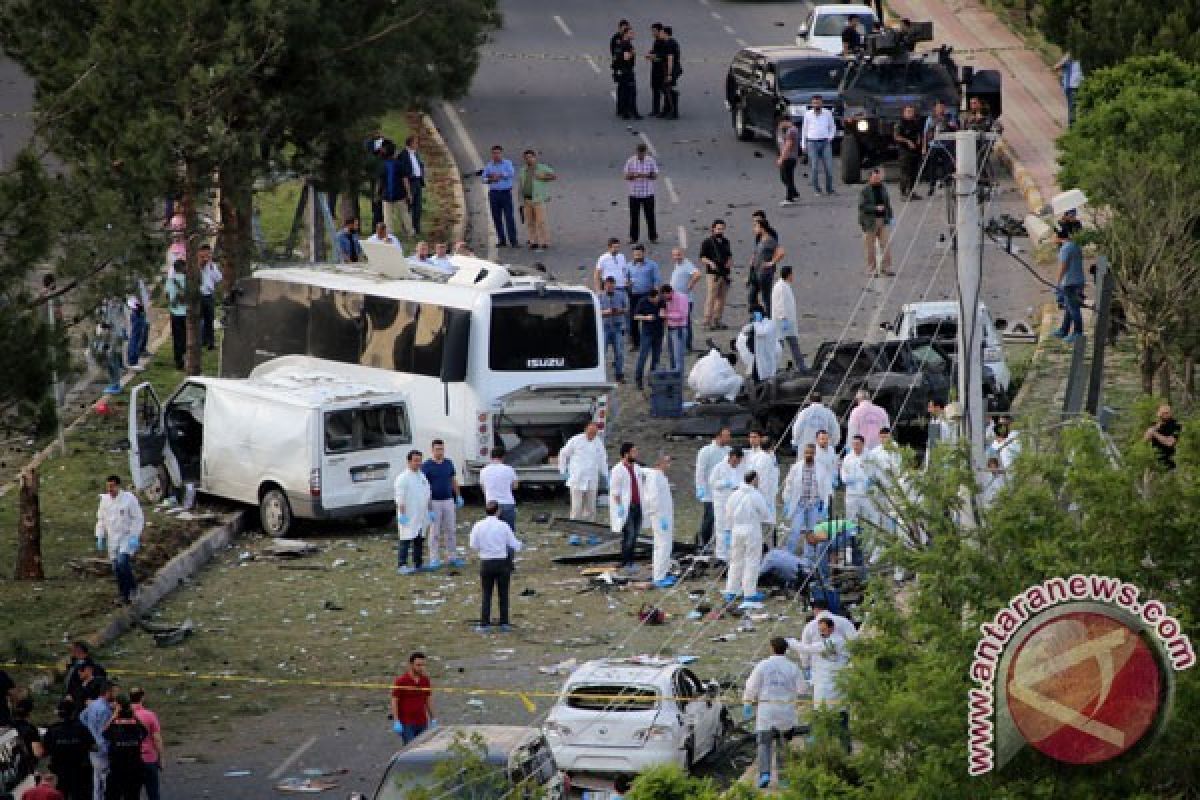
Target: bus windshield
(551,331)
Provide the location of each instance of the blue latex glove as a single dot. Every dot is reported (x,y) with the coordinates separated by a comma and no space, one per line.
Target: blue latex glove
(458,501)
(100,543)
(787,510)
(728,486)
(398,727)
(620,510)
(728,540)
(757,315)
(432,516)
(433,724)
(747,711)
(820,506)
(787,326)
(134,543)
(402,519)
(701,494)
(664,525)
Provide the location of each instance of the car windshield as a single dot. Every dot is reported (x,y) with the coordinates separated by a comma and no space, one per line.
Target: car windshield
(612,697)
(425,780)
(915,77)
(820,74)
(834,24)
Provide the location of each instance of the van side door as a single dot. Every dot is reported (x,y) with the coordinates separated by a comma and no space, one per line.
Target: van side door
(147,436)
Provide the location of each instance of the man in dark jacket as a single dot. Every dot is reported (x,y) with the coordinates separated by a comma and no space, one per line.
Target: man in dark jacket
(874,216)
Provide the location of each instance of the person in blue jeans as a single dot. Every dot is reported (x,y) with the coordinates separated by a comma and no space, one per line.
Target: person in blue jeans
(614,307)
(1070,284)
(412,700)
(648,316)
(498,175)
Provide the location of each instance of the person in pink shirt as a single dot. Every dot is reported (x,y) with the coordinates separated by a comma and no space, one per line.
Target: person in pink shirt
(152,746)
(867,420)
(675,307)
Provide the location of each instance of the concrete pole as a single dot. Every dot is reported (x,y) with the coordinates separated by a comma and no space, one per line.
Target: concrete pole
(969,252)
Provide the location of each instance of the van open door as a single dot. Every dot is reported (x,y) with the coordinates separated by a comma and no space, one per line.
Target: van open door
(147,443)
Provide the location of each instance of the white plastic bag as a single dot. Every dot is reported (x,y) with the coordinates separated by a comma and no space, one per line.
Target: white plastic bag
(712,376)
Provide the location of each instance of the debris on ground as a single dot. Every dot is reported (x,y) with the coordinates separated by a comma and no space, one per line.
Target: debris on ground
(561,668)
(291,548)
(305,785)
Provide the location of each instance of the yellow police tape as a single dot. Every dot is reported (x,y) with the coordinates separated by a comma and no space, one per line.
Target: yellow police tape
(523,695)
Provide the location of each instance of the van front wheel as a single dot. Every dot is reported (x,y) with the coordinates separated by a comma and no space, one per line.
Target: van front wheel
(275,512)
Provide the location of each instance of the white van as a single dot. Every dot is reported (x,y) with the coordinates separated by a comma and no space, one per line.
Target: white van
(939,319)
(297,442)
(823,27)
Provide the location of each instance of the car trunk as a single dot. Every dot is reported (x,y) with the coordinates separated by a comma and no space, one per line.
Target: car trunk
(607,715)
(535,423)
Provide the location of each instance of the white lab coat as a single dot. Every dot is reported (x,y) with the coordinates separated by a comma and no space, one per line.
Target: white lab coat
(856,475)
(811,419)
(766,348)
(763,462)
(867,420)
(583,462)
(884,466)
(828,459)
(1006,449)
(412,499)
(792,487)
(709,456)
(841,626)
(658,508)
(723,480)
(829,657)
(748,512)
(119,521)
(775,684)
(620,490)
(783,309)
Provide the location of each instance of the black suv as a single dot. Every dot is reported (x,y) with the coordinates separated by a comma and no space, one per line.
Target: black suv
(766,83)
(886,77)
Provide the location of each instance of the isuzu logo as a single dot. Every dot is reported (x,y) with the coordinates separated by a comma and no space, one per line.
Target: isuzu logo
(545,363)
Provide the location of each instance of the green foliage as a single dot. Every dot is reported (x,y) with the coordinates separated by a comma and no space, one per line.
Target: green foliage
(669,782)
(1068,509)
(465,774)
(1105,32)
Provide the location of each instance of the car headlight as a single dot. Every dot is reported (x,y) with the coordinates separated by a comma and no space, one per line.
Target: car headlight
(863,125)
(653,733)
(796,110)
(552,728)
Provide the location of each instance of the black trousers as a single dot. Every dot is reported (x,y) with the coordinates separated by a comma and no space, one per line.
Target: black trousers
(637,207)
(707,522)
(494,573)
(75,783)
(629,533)
(658,99)
(208,316)
(787,174)
(671,100)
(635,334)
(179,338)
(910,164)
(417,184)
(124,784)
(627,97)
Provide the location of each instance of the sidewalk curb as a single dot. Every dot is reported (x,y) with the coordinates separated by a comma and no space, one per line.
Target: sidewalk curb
(458,196)
(1024,180)
(171,576)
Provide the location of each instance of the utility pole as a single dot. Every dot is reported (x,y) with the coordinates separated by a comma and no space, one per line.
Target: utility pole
(969,256)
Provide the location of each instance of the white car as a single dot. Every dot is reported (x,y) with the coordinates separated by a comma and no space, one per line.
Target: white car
(620,716)
(825,23)
(940,320)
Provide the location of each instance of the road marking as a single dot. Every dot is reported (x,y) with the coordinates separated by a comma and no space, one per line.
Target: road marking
(649,144)
(472,152)
(591,62)
(741,42)
(729,29)
(715,15)
(563,25)
(671,193)
(612,93)
(682,234)
(287,762)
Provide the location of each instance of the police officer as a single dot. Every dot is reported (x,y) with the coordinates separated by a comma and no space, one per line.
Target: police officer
(909,135)
(624,62)
(658,70)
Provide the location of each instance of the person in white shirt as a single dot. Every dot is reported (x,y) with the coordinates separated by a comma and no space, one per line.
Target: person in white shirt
(747,511)
(829,657)
(1005,444)
(763,462)
(210,276)
(783,313)
(724,479)
(660,513)
(856,475)
(827,457)
(884,468)
(684,277)
(867,419)
(994,480)
(383,236)
(1071,77)
(775,684)
(940,431)
(625,497)
(119,524)
(413,513)
(441,259)
(806,494)
(812,418)
(493,539)
(583,461)
(498,481)
(709,456)
(612,264)
(812,632)
(816,139)
(763,363)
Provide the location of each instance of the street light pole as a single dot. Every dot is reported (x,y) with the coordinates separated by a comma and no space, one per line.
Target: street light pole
(969,257)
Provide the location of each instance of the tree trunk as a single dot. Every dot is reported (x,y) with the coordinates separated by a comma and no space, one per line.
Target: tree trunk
(194,358)
(1189,378)
(29,530)
(236,235)
(1147,365)
(1164,379)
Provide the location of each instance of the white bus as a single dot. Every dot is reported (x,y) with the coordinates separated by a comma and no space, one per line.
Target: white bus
(486,358)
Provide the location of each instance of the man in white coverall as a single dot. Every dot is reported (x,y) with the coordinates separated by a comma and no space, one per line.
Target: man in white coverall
(829,657)
(867,419)
(660,512)
(747,512)
(709,456)
(806,494)
(856,475)
(783,313)
(724,479)
(119,523)
(763,363)
(775,684)
(763,462)
(583,460)
(413,513)
(812,418)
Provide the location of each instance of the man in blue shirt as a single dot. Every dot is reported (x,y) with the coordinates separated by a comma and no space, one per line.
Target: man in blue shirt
(445,498)
(614,307)
(648,315)
(96,717)
(1070,284)
(643,277)
(348,247)
(498,175)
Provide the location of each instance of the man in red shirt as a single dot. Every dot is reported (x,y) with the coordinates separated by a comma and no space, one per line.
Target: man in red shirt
(46,789)
(152,745)
(412,700)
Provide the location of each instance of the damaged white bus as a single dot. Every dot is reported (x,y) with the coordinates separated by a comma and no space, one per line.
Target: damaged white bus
(486,357)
